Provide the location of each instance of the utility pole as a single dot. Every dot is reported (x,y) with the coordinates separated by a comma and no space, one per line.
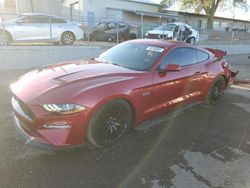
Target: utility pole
(32,5)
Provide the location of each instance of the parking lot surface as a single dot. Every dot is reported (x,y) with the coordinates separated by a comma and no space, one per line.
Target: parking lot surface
(202,147)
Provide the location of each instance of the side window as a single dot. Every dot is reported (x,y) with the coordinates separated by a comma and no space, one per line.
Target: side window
(57,20)
(202,56)
(182,27)
(180,56)
(111,26)
(188,56)
(121,25)
(36,19)
(172,57)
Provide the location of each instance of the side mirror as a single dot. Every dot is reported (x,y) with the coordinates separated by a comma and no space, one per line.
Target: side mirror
(172,67)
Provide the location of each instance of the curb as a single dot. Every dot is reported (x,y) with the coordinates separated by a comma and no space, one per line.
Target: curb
(238,81)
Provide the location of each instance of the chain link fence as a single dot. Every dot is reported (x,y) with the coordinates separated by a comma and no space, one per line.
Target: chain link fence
(12,30)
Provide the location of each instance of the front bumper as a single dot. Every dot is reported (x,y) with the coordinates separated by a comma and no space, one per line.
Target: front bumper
(29,139)
(29,120)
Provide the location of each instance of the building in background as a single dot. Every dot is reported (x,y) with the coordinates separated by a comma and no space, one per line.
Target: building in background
(139,12)
(29,6)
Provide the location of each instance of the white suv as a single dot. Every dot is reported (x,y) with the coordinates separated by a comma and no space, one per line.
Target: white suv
(174,31)
(40,27)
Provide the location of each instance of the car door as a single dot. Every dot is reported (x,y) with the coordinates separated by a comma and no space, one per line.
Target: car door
(58,26)
(174,89)
(32,28)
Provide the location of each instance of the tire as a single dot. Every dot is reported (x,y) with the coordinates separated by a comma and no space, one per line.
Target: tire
(68,38)
(191,40)
(110,39)
(132,36)
(109,123)
(99,36)
(216,92)
(5,38)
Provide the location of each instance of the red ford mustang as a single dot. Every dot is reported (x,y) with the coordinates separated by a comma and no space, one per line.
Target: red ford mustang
(96,101)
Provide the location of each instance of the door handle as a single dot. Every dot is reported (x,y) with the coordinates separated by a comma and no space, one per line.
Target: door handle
(199,73)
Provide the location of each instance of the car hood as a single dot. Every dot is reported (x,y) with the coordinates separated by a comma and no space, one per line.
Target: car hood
(160,32)
(49,84)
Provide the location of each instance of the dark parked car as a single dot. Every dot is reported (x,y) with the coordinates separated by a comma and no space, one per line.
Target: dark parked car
(108,31)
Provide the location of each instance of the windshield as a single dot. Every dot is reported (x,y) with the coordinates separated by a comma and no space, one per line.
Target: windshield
(132,56)
(168,27)
(101,26)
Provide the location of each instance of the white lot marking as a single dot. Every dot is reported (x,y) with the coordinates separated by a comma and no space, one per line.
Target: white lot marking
(238,90)
(155,184)
(246,107)
(203,170)
(184,178)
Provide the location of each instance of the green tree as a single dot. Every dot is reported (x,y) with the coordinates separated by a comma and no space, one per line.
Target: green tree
(209,6)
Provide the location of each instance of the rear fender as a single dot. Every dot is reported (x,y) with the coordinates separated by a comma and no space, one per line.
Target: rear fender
(229,74)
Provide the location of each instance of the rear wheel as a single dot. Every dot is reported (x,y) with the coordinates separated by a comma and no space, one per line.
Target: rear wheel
(191,40)
(68,38)
(132,36)
(109,123)
(5,38)
(216,92)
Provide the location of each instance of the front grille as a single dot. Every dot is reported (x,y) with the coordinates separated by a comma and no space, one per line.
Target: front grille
(21,108)
(29,130)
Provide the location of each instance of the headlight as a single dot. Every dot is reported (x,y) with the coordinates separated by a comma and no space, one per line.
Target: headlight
(63,108)
(147,34)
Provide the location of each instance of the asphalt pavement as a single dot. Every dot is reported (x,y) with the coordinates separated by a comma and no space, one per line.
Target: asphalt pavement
(202,147)
(25,57)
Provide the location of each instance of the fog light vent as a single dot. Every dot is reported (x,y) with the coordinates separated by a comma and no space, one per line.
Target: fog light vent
(56,126)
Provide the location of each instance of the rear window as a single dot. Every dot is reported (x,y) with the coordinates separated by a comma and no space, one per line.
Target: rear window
(202,56)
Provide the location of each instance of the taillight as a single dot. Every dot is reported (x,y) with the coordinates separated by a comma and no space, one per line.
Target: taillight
(225,65)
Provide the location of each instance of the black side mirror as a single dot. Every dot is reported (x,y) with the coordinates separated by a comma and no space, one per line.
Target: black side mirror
(170,68)
(173,67)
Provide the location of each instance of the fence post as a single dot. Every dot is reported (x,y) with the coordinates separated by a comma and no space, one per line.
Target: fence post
(142,29)
(2,20)
(50,31)
(117,34)
(232,39)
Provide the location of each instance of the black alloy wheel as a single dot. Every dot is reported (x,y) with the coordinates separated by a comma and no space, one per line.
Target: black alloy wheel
(110,122)
(216,92)
(5,38)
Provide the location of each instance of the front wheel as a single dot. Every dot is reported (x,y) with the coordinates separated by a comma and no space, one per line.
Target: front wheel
(216,92)
(109,123)
(191,40)
(68,38)
(5,38)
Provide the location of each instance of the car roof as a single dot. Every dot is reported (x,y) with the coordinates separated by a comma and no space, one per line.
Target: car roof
(178,23)
(159,43)
(40,14)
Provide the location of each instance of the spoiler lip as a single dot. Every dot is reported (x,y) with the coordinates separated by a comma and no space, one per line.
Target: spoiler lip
(219,54)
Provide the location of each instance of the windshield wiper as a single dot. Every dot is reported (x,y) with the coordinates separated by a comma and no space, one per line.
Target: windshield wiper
(108,62)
